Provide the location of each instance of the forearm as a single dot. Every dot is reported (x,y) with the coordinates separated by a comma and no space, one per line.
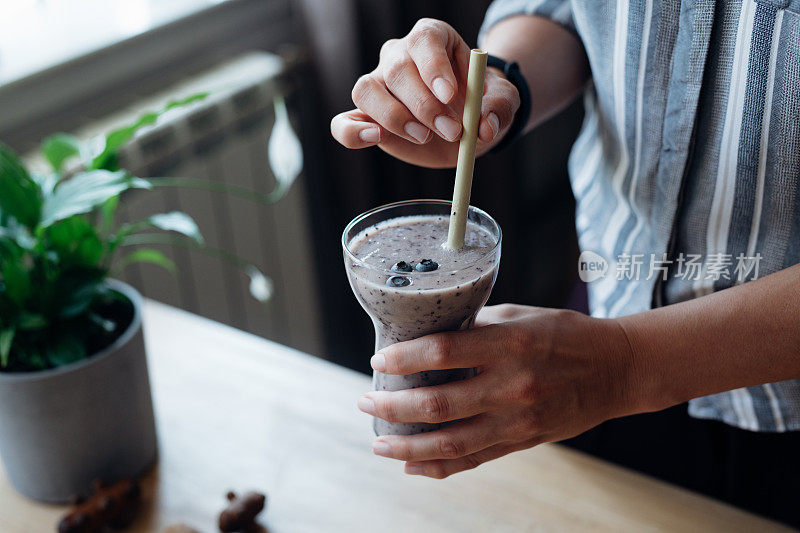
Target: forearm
(551,58)
(742,336)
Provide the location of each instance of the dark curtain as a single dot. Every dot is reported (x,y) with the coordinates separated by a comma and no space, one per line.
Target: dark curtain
(525,188)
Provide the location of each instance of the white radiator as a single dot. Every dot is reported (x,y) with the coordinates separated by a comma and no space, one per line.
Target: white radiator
(225,138)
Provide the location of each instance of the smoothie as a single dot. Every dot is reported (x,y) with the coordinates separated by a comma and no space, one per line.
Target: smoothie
(411,286)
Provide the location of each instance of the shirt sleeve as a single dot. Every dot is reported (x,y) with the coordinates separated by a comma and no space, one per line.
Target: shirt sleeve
(559,11)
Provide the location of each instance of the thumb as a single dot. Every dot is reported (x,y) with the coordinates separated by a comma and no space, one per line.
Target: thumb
(500,102)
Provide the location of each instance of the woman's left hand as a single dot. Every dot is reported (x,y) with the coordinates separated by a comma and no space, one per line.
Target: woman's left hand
(543,375)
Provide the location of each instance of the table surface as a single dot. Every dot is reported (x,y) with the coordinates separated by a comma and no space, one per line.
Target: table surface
(238,412)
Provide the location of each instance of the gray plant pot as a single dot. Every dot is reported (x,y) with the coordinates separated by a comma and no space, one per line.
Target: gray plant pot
(61,428)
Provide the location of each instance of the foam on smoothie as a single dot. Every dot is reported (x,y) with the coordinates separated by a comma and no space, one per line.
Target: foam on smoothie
(414,238)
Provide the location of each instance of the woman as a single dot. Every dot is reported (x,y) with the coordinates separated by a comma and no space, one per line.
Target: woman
(686,179)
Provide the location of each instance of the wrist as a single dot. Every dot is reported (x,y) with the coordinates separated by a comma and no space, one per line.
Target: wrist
(634,372)
(616,383)
(623,371)
(651,385)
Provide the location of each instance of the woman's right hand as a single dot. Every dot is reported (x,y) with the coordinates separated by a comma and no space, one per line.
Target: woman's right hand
(411,104)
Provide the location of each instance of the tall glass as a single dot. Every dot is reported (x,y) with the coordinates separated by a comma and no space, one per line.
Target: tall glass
(408,312)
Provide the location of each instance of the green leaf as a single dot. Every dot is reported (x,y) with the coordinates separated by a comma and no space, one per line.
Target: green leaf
(16,280)
(78,302)
(83,192)
(79,287)
(31,321)
(146,255)
(46,182)
(117,138)
(6,338)
(20,195)
(9,249)
(60,147)
(177,222)
(65,348)
(19,234)
(76,242)
(29,358)
(108,209)
(196,97)
(174,221)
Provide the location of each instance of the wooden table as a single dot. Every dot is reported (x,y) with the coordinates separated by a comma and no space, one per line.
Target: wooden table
(237,412)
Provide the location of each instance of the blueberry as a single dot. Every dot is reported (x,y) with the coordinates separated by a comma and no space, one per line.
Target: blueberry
(427,265)
(398,281)
(402,266)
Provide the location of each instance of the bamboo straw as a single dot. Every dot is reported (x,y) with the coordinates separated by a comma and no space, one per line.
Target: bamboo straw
(466,149)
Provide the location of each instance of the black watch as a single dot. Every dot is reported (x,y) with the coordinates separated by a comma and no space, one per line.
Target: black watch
(512,72)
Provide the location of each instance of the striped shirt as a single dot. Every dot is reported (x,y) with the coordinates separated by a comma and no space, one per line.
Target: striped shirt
(689,153)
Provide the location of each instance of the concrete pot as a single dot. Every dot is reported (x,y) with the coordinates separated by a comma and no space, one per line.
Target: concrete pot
(61,428)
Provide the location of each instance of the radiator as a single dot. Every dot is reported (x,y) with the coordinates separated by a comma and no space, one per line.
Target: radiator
(225,138)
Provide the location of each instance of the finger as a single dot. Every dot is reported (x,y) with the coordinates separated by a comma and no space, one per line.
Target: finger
(373,98)
(354,129)
(440,351)
(441,403)
(441,468)
(437,153)
(403,80)
(454,441)
(429,45)
(500,103)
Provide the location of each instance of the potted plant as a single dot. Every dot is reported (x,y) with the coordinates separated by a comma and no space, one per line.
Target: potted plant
(75,400)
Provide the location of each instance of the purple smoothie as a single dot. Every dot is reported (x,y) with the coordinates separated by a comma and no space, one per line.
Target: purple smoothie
(444,299)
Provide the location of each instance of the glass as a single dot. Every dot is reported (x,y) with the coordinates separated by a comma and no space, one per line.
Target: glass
(408,312)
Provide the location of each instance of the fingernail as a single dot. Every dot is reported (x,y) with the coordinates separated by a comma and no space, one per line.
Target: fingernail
(413,469)
(447,127)
(417,131)
(366,405)
(494,122)
(381,448)
(443,89)
(378,362)
(370,135)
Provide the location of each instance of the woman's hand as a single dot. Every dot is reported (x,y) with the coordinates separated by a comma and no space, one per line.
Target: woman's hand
(544,375)
(411,104)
